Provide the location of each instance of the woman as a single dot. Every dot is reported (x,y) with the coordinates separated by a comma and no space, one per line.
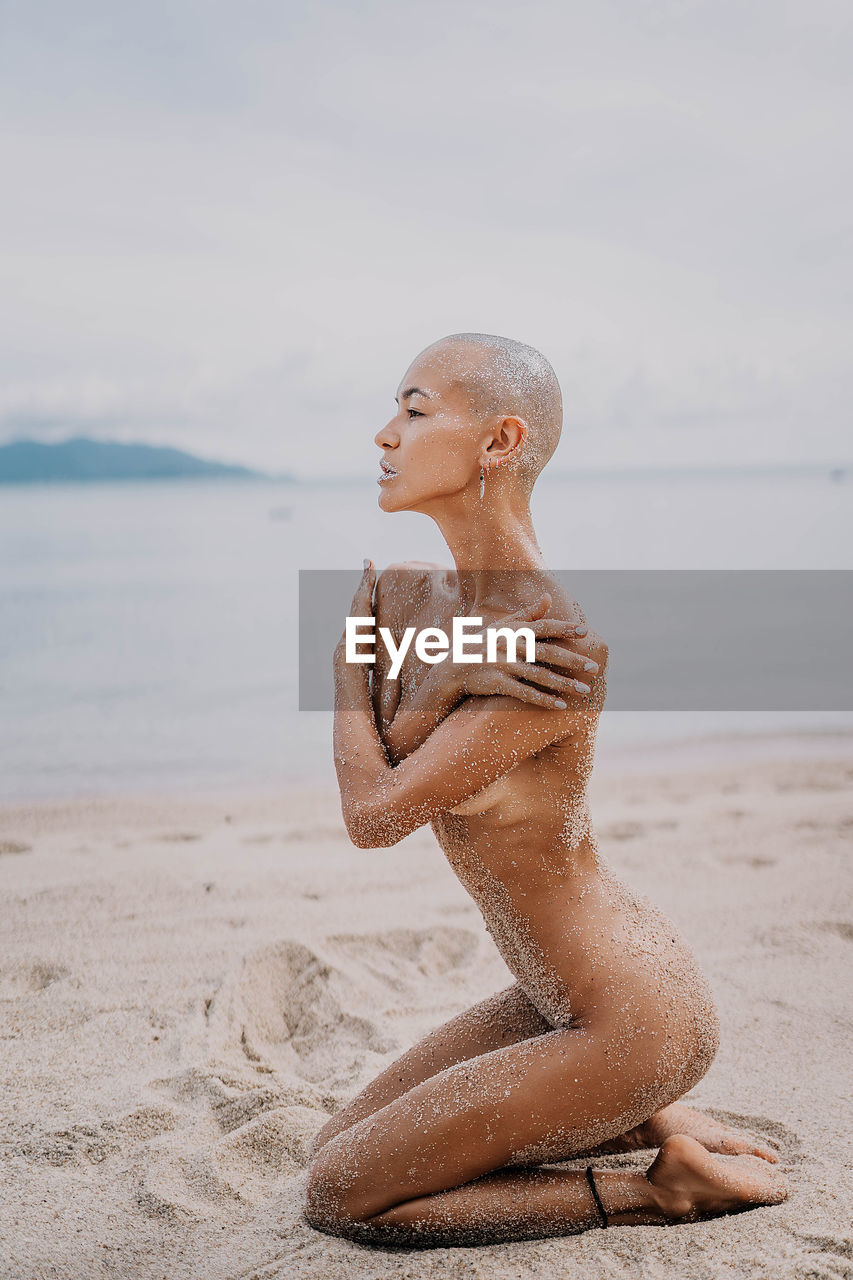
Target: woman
(610,1020)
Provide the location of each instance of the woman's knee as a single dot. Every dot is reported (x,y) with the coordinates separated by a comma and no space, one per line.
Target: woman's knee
(333,1126)
(325,1207)
(334,1203)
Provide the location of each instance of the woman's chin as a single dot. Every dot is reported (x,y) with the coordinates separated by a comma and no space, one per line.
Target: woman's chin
(393,496)
(389,502)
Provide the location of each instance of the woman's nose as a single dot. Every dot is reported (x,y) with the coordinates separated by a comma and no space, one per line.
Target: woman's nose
(387,438)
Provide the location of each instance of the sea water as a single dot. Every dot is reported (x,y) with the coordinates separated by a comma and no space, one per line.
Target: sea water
(148,634)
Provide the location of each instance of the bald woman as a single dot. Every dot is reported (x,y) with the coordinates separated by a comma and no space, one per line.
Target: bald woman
(610,1020)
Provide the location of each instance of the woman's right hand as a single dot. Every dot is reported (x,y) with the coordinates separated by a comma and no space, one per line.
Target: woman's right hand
(522,679)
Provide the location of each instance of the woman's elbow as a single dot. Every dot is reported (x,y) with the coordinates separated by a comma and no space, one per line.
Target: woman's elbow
(372,827)
(366,836)
(364,827)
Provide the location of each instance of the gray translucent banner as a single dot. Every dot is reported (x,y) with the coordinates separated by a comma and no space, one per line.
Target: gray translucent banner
(679,640)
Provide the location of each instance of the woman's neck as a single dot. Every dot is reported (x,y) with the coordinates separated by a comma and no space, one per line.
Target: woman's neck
(495,552)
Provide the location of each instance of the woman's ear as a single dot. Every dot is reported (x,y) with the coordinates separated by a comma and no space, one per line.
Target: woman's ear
(508,437)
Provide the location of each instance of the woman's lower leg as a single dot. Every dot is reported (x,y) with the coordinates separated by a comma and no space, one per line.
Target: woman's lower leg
(514,1205)
(684,1182)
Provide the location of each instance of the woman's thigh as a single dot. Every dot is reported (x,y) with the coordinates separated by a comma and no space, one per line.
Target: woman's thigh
(502,1019)
(540,1099)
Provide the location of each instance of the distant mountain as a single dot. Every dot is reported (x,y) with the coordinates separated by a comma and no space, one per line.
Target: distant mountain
(25,461)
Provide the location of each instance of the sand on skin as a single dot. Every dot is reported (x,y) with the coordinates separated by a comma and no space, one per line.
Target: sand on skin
(189,987)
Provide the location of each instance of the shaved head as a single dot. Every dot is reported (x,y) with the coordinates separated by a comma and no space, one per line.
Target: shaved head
(500,376)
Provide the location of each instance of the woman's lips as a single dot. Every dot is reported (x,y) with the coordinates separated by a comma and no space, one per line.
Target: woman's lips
(386,474)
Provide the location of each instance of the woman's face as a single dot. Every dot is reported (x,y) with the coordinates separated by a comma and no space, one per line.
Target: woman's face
(431,445)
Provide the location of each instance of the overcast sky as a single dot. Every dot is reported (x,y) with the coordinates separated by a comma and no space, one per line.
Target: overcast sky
(231,226)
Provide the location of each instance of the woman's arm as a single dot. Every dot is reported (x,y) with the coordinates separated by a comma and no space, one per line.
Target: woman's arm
(477,743)
(403,727)
(431,703)
(448,683)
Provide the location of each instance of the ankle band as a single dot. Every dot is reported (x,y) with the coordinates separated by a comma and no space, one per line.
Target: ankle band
(596,1197)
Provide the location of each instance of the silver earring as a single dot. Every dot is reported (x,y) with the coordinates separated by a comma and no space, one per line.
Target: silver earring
(482,483)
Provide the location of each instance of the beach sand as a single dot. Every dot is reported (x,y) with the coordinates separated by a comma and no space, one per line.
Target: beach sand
(189,987)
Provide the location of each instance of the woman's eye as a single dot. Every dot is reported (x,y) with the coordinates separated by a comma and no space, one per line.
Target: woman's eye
(415,413)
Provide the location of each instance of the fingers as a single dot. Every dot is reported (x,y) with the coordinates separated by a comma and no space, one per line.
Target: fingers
(558,628)
(527,693)
(362,601)
(560,657)
(523,671)
(531,615)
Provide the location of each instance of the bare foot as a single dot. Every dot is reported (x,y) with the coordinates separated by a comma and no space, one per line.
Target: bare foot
(690,1184)
(678,1118)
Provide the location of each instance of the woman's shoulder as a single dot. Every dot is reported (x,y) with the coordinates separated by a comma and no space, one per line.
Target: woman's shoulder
(402,585)
(409,566)
(405,572)
(564,605)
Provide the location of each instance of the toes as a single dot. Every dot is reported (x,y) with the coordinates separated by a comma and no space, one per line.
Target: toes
(753,1145)
(737,1143)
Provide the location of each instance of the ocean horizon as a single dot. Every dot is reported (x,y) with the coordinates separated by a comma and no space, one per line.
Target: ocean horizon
(148,634)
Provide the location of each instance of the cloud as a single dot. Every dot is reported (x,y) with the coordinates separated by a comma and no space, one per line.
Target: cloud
(233,227)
